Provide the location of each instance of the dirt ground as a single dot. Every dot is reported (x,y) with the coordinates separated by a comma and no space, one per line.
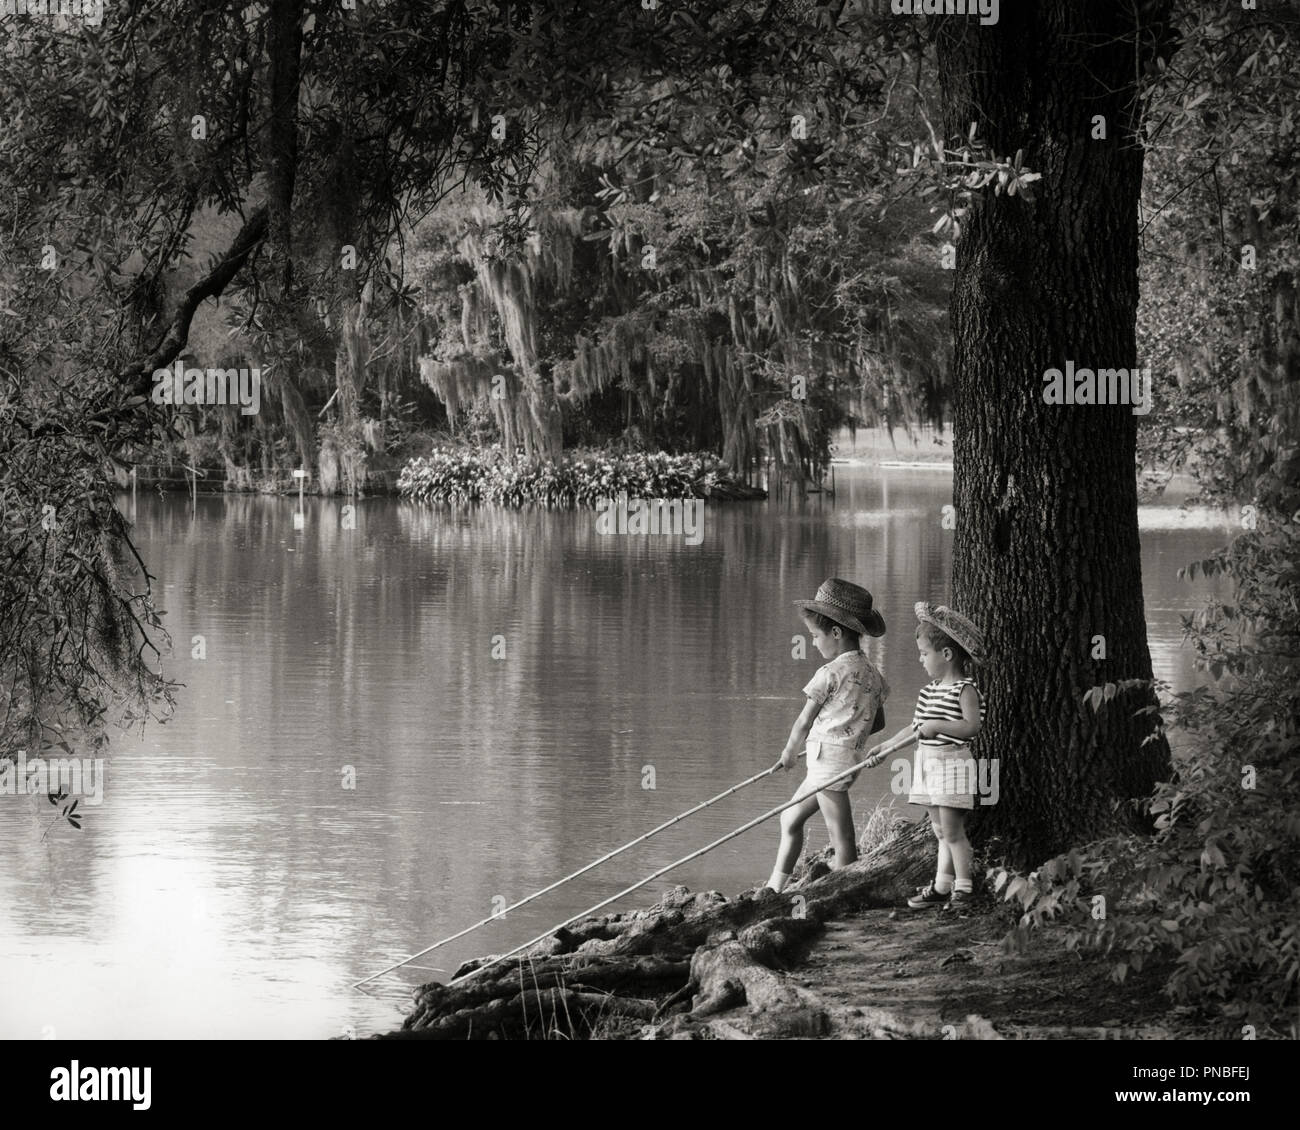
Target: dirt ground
(907,973)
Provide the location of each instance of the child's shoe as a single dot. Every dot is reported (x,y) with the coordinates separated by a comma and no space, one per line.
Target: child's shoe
(926,897)
(959,902)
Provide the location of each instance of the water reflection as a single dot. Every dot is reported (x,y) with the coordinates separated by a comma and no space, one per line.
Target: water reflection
(494,684)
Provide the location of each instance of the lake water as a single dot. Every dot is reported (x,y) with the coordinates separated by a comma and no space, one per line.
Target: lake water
(230,885)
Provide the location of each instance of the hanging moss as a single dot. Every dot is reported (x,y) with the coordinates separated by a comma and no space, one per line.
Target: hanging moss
(710,349)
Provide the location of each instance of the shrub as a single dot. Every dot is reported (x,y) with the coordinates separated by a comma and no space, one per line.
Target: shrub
(460,475)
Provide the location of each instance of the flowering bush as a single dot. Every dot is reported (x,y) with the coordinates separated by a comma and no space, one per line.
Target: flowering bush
(469,475)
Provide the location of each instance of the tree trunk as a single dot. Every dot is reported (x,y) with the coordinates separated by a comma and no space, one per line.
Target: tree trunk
(1046,555)
(284,49)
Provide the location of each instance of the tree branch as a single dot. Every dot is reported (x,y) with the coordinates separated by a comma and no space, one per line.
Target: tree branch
(137,377)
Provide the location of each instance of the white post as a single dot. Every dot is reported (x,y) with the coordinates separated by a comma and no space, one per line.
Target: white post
(300,518)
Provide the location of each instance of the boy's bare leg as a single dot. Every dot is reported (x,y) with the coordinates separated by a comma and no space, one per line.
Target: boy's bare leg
(787,855)
(838,814)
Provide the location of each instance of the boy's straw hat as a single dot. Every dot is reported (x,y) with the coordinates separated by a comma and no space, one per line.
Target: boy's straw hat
(849,605)
(955,626)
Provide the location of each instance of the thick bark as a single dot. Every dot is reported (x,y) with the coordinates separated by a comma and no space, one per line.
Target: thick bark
(1046,553)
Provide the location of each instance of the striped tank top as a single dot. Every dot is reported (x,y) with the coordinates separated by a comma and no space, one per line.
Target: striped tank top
(941,702)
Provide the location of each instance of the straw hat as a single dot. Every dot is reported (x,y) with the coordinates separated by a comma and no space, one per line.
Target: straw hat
(955,626)
(849,605)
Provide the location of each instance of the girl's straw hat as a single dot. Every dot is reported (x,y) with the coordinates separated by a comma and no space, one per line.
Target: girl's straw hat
(848,605)
(955,626)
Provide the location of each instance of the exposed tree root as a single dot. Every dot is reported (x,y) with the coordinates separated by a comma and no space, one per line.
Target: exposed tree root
(692,966)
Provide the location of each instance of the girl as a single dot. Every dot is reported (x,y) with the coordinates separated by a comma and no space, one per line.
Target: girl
(949,712)
(844,698)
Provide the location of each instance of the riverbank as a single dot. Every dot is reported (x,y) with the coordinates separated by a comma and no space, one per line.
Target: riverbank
(930,449)
(836,956)
(927,447)
(461,474)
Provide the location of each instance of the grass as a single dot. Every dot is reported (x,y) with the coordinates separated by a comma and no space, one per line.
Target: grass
(883,824)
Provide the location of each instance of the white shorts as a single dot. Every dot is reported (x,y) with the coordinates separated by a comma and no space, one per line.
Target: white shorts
(943,777)
(825,760)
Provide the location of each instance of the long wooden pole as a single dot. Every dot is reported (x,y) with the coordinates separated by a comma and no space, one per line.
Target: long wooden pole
(581,871)
(796,799)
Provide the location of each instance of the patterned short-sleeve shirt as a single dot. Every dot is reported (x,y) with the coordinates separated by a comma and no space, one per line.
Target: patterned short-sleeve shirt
(849,690)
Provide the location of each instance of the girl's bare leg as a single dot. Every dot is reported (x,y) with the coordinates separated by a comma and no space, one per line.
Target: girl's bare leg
(838,814)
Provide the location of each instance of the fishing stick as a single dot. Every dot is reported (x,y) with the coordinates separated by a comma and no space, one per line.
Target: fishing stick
(796,799)
(581,871)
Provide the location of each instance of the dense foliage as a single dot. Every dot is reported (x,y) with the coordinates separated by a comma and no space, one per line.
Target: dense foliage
(1219,322)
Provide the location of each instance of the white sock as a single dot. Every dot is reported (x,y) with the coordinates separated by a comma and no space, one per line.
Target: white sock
(962,885)
(778,880)
(942,884)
